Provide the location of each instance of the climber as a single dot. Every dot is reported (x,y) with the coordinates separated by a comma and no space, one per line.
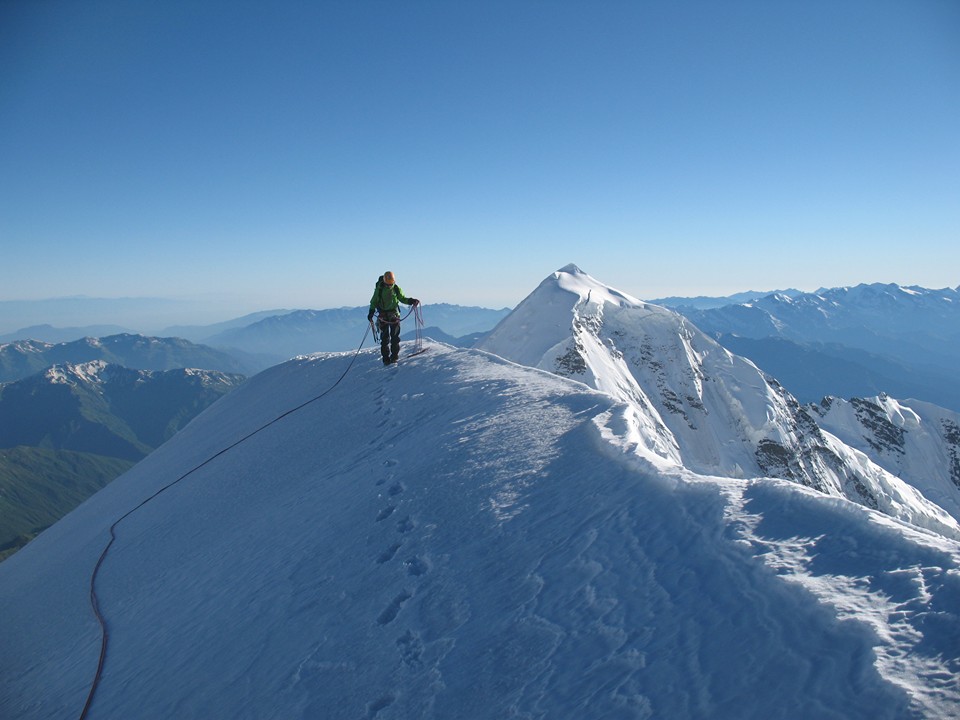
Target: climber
(386,300)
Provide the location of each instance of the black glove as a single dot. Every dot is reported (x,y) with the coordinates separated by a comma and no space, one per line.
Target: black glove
(414,302)
(370,316)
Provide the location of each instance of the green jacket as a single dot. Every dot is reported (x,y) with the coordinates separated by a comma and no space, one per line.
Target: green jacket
(387,298)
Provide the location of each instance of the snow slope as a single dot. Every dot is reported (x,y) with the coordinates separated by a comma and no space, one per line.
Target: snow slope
(914,440)
(695,404)
(463,537)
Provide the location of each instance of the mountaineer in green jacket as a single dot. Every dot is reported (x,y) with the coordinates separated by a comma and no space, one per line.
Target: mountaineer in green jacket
(386,300)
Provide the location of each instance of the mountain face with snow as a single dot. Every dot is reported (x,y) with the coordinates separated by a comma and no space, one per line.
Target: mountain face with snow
(463,536)
(23,358)
(696,405)
(916,441)
(105,409)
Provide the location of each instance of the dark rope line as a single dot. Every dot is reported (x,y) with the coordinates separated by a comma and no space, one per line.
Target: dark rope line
(94,600)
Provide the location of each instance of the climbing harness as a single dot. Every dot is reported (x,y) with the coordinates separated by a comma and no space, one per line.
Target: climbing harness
(417,313)
(94,600)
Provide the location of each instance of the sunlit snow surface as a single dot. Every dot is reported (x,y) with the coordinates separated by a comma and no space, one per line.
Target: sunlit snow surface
(462,537)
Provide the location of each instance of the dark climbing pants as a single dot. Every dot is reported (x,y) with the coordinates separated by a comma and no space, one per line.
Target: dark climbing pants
(390,340)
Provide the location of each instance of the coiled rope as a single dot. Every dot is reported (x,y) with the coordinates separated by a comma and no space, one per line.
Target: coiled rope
(417,312)
(94,600)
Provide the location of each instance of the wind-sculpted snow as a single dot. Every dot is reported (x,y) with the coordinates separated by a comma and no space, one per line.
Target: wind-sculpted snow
(462,537)
(695,404)
(901,582)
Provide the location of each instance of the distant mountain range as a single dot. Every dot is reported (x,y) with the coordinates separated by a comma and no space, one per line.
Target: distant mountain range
(847,342)
(254,341)
(72,428)
(705,302)
(51,334)
(142,313)
(199,333)
(23,358)
(301,332)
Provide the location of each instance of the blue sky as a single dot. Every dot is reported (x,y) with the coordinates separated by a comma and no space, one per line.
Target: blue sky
(250,155)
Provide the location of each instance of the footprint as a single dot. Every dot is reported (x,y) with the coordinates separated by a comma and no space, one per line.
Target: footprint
(386,512)
(405,525)
(390,613)
(388,553)
(374,708)
(396,488)
(411,649)
(415,566)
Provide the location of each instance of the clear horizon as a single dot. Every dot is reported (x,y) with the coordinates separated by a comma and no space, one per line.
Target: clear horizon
(255,157)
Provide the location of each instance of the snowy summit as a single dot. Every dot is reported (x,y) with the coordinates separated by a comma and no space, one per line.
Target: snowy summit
(598,514)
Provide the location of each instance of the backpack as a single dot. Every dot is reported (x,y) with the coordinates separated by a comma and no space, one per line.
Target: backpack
(379,290)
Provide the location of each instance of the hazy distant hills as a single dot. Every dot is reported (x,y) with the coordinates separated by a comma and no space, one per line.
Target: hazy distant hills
(25,357)
(295,333)
(302,332)
(51,334)
(705,302)
(254,341)
(848,342)
(199,333)
(72,428)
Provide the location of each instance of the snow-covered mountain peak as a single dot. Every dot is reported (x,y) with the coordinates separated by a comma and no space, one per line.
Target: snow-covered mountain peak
(72,373)
(693,404)
(27,346)
(574,280)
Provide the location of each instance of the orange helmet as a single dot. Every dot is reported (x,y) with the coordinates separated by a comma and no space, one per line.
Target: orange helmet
(388,278)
